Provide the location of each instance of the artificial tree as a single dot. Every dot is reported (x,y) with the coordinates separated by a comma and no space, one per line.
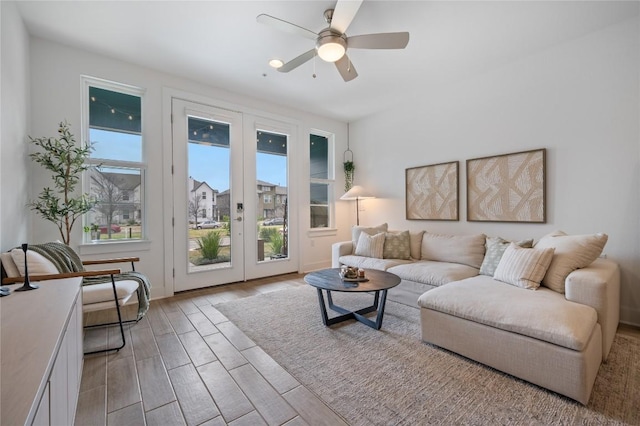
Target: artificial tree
(66,161)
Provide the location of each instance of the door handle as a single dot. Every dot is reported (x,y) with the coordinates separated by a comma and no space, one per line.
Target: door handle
(239,218)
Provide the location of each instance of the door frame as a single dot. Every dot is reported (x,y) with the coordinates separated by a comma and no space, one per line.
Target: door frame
(168,94)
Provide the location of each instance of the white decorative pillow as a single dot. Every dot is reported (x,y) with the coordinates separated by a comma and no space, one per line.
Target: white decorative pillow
(38,264)
(357,230)
(397,245)
(571,252)
(464,249)
(495,249)
(370,246)
(416,244)
(523,267)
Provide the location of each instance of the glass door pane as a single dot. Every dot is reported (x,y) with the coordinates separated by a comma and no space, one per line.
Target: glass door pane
(272,190)
(208,194)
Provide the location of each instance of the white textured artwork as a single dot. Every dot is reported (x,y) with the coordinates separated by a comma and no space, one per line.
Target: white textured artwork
(507,188)
(432,192)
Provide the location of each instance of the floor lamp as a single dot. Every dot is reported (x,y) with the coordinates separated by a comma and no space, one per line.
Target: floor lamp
(357,193)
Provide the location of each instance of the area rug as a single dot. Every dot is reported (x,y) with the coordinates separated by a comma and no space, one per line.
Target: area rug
(390,377)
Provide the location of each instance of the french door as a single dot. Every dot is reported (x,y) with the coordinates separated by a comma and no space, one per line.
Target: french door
(233,210)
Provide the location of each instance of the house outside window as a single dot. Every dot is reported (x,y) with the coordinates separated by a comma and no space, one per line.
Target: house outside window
(112,124)
(322,180)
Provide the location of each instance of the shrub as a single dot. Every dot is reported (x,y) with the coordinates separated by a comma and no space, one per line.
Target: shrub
(268,234)
(209,245)
(277,241)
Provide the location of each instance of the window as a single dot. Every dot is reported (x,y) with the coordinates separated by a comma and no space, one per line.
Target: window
(204,195)
(322,180)
(113,126)
(267,198)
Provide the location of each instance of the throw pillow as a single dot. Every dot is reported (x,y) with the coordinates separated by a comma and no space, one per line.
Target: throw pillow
(495,247)
(38,264)
(464,249)
(571,252)
(370,246)
(357,230)
(416,244)
(397,245)
(523,267)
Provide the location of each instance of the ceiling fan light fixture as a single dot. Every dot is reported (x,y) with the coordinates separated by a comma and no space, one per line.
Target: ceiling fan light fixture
(276,63)
(331,47)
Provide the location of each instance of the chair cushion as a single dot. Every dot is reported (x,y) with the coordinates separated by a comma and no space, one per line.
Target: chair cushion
(97,293)
(9,265)
(38,264)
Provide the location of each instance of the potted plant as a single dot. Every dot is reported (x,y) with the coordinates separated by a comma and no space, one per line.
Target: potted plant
(95,231)
(349,167)
(66,161)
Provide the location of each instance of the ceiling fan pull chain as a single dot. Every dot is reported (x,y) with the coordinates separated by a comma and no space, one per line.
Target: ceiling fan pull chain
(314,66)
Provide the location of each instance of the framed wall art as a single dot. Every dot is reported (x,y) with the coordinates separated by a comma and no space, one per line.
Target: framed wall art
(507,188)
(432,192)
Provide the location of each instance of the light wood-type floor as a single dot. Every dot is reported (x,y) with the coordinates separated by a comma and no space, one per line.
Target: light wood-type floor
(185,363)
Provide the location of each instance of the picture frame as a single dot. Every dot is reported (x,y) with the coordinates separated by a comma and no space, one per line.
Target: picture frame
(507,188)
(432,192)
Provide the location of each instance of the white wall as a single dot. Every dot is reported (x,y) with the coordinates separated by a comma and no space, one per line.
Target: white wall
(580,100)
(14,125)
(56,95)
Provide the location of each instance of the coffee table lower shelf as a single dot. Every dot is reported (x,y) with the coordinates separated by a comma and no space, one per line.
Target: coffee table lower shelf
(378,305)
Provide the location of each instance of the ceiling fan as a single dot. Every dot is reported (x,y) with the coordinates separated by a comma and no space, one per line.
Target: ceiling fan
(332,42)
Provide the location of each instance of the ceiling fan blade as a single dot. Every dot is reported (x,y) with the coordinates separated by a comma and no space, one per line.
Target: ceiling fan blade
(296,62)
(346,68)
(286,26)
(344,13)
(379,41)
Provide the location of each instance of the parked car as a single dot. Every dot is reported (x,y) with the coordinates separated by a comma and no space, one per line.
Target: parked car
(274,221)
(208,224)
(114,228)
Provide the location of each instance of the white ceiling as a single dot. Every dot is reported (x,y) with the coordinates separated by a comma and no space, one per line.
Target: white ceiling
(219,43)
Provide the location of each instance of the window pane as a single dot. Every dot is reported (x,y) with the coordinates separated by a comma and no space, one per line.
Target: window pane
(271,173)
(209,156)
(118,214)
(319,149)
(319,216)
(319,205)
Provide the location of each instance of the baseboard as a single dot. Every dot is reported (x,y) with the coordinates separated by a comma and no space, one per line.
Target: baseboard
(630,316)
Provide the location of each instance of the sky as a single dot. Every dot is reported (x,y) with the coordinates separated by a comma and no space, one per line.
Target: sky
(206,163)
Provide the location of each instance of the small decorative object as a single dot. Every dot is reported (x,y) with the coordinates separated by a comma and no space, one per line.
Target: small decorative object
(432,192)
(27,285)
(360,273)
(352,274)
(507,188)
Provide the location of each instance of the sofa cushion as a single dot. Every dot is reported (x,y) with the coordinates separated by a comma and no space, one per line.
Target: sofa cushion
(415,239)
(433,273)
(544,314)
(357,230)
(523,267)
(397,245)
(463,249)
(370,262)
(571,252)
(370,245)
(494,249)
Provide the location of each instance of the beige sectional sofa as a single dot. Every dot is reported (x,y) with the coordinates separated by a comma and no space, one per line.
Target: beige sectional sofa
(546,314)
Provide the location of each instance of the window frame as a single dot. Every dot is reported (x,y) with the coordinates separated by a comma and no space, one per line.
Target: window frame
(88,82)
(330,181)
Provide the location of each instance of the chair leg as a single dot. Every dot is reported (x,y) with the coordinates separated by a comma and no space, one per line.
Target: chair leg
(115,297)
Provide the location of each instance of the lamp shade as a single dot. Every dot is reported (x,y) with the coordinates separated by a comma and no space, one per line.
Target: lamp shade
(356,193)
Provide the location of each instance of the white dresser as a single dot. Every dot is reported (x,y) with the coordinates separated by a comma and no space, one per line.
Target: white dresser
(41,354)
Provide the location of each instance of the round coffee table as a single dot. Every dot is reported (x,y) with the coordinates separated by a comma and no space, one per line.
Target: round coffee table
(329,280)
